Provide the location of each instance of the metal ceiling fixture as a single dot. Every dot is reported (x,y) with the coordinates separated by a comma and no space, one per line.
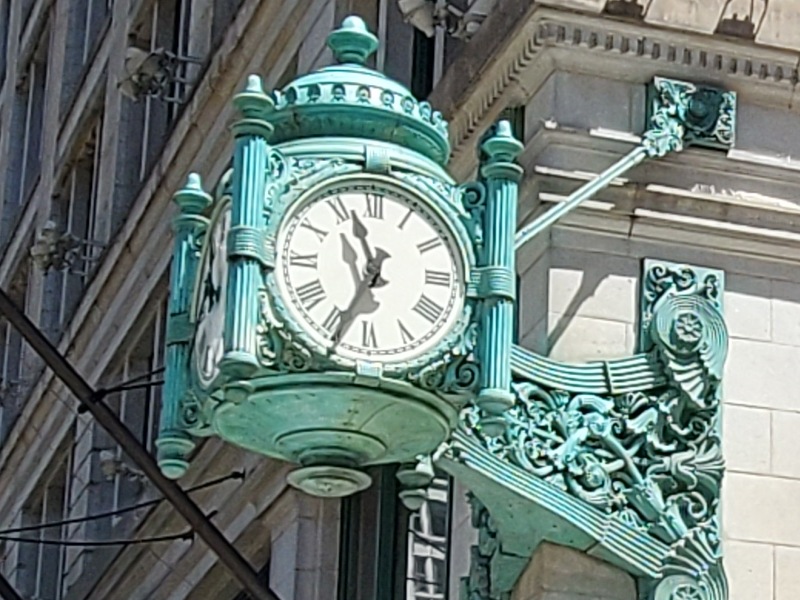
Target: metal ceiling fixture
(57,250)
(154,73)
(460,18)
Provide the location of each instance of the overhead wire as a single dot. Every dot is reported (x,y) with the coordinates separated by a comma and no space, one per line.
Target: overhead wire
(186,535)
(111,513)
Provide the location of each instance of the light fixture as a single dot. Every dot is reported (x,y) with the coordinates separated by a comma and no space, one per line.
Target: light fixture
(55,250)
(460,19)
(111,466)
(152,73)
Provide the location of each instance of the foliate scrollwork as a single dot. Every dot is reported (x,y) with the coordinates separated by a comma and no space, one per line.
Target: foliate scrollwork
(694,570)
(473,199)
(650,457)
(682,113)
(278,349)
(455,371)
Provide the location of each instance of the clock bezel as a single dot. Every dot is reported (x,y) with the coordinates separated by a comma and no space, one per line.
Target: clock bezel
(440,199)
(214,220)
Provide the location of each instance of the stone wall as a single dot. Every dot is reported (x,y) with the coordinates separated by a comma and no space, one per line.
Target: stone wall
(558,573)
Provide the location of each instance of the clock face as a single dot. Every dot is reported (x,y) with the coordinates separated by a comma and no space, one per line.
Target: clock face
(210,300)
(371,272)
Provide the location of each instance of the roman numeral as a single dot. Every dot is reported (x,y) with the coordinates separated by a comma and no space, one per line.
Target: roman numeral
(405,333)
(405,219)
(428,309)
(311,294)
(320,233)
(374,206)
(339,209)
(368,339)
(303,260)
(332,320)
(429,245)
(437,278)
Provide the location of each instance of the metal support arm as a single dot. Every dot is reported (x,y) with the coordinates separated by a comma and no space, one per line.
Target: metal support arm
(681,114)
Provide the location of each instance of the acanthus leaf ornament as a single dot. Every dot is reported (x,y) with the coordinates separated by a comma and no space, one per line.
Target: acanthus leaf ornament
(640,443)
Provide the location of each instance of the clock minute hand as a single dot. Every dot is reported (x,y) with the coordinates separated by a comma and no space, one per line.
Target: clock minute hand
(360,231)
(374,260)
(371,279)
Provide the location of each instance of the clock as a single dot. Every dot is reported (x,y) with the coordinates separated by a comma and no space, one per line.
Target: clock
(370,270)
(209,302)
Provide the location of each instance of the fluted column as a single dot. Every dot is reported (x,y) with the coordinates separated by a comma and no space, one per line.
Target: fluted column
(246,248)
(498,282)
(174,442)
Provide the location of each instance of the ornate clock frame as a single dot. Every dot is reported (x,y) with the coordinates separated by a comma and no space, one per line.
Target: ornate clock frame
(539,443)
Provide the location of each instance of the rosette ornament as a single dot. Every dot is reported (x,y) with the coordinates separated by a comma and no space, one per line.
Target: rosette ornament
(691,338)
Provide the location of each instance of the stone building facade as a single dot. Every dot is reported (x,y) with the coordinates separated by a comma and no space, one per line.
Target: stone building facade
(84,159)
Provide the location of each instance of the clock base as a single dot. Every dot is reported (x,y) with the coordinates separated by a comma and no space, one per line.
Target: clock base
(327,481)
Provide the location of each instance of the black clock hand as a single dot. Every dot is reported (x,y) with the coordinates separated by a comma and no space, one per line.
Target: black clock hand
(360,231)
(350,257)
(374,261)
(371,279)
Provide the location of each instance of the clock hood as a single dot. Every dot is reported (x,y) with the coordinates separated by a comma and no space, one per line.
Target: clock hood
(349,99)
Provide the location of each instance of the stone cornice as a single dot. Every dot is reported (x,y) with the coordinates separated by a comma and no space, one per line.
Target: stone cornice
(550,40)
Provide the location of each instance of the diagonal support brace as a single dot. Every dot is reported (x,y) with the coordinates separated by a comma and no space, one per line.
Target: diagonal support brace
(217,542)
(681,114)
(6,591)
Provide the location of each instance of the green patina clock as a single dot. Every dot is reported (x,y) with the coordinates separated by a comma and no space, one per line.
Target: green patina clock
(335,303)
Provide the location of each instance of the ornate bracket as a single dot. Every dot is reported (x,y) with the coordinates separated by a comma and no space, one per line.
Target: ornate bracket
(680,114)
(621,459)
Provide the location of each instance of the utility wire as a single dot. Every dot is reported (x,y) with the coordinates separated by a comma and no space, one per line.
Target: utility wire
(186,535)
(111,513)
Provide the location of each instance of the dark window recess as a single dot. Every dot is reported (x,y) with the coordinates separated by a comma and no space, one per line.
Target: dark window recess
(18,364)
(423,57)
(516,116)
(224,14)
(409,55)
(74,211)
(389,553)
(40,566)
(25,160)
(146,124)
(5,16)
(87,19)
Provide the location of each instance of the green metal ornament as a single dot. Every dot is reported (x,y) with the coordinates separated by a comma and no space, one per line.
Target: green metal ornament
(341,302)
(345,279)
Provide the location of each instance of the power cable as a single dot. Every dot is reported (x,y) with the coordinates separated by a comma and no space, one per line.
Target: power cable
(111,513)
(186,535)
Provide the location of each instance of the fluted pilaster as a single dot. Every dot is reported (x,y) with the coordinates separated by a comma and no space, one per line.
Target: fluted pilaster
(501,175)
(246,248)
(174,442)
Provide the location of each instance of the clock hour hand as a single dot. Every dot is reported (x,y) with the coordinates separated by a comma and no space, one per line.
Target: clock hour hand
(360,231)
(350,257)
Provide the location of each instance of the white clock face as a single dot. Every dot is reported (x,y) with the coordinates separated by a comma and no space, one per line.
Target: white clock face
(371,272)
(210,300)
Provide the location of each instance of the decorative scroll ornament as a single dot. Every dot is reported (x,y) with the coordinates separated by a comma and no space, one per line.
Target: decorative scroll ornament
(682,113)
(642,447)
